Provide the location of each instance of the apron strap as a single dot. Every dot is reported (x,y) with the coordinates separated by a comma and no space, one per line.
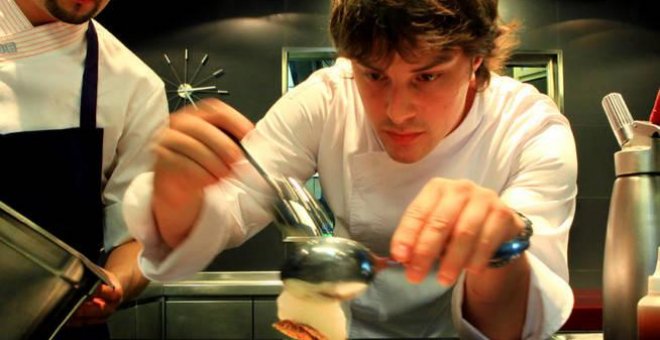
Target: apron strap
(90,80)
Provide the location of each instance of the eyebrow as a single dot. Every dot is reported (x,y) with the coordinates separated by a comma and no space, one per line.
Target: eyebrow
(442,58)
(368,65)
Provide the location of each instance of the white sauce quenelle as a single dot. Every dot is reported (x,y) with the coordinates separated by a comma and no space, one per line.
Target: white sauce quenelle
(317,306)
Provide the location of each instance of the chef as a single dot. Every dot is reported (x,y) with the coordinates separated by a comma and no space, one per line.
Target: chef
(77,109)
(424,155)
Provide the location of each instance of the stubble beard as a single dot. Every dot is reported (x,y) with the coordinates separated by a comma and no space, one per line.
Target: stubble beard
(70,17)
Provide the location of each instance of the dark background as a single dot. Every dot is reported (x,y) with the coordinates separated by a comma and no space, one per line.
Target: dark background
(608,46)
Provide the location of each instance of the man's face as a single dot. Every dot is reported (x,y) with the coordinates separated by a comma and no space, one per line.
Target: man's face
(72,11)
(414,105)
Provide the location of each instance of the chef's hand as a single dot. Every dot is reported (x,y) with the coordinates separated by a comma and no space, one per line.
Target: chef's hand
(193,153)
(456,221)
(97,308)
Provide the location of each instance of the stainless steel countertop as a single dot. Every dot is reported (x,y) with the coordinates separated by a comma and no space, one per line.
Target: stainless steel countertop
(578,336)
(257,283)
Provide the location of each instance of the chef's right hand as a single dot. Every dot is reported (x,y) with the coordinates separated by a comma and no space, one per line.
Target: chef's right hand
(192,153)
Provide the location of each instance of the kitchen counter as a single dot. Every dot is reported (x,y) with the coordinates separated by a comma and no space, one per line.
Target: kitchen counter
(262,283)
(209,305)
(242,304)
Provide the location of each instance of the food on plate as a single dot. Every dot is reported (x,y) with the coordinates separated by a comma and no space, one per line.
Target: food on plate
(298,331)
(325,290)
(322,314)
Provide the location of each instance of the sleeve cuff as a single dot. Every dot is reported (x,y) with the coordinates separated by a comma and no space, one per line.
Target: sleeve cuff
(549,304)
(158,261)
(114,231)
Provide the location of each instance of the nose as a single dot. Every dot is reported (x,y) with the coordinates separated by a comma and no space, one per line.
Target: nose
(399,105)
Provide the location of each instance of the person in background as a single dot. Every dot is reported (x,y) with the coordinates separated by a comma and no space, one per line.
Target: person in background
(424,155)
(77,109)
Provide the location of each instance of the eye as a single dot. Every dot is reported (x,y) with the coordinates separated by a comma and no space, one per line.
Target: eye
(374,76)
(427,77)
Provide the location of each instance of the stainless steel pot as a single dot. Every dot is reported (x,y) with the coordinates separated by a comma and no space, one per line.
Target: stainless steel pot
(42,280)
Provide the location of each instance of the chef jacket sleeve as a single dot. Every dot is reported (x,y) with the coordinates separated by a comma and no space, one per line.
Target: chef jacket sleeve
(544,189)
(237,207)
(145,115)
(231,213)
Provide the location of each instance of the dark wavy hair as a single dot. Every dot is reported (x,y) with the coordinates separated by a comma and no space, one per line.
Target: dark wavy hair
(373,30)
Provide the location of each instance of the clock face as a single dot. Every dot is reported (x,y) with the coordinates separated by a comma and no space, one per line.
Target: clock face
(185,87)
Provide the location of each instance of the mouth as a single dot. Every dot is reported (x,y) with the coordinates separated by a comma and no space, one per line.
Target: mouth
(403,137)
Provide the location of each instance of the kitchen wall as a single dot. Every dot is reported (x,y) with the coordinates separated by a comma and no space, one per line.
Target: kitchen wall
(607,46)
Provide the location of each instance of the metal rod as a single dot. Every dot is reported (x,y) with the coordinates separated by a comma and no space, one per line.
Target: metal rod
(170,82)
(202,62)
(215,74)
(169,63)
(185,66)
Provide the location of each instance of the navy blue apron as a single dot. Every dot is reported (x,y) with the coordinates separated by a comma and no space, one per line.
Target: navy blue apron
(53,177)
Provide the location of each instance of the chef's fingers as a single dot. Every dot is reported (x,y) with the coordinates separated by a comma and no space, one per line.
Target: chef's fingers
(95,307)
(413,219)
(109,294)
(91,314)
(177,174)
(438,227)
(222,116)
(497,230)
(191,151)
(466,235)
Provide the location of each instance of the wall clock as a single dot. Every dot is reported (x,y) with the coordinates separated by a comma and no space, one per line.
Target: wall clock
(185,87)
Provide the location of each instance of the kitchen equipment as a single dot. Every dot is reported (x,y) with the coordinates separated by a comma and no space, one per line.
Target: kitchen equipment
(655,111)
(331,259)
(336,259)
(633,226)
(42,279)
(299,216)
(648,308)
(315,256)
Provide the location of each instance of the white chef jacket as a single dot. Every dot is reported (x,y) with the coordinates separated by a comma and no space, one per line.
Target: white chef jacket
(40,87)
(513,141)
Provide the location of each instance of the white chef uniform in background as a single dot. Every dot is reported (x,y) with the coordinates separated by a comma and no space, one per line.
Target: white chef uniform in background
(47,63)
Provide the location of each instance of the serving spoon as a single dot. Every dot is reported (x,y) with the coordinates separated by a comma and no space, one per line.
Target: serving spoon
(337,259)
(319,263)
(298,215)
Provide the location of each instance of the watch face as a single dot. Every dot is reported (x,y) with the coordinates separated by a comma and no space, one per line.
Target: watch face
(190,80)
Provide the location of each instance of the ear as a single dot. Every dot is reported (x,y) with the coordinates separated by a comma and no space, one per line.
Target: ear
(476,62)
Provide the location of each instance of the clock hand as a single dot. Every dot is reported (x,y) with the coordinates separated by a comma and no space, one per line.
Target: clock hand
(191,100)
(203,88)
(202,62)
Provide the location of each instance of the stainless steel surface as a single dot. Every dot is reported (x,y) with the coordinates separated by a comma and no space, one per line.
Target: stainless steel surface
(619,117)
(298,215)
(265,315)
(330,259)
(218,284)
(209,319)
(578,336)
(43,280)
(139,321)
(210,305)
(336,259)
(633,235)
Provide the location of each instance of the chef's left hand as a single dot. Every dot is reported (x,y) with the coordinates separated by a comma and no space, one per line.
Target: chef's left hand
(456,221)
(97,308)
